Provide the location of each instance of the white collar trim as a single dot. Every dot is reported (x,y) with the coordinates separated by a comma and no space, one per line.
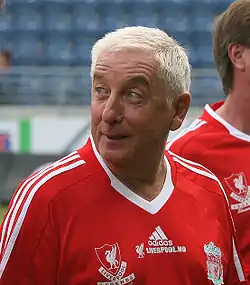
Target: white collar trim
(151,207)
(232,130)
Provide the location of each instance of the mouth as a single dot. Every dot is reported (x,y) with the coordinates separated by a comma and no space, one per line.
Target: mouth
(116,137)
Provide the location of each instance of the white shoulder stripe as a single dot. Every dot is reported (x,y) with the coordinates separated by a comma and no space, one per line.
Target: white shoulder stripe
(17,202)
(190,162)
(202,170)
(237,263)
(194,126)
(28,184)
(207,173)
(31,184)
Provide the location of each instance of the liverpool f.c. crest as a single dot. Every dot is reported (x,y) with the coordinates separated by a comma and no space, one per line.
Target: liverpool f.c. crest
(113,268)
(237,183)
(214,263)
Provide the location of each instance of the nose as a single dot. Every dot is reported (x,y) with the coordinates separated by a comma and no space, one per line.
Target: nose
(113,110)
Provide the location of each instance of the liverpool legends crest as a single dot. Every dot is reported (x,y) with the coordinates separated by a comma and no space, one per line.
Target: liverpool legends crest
(237,183)
(113,268)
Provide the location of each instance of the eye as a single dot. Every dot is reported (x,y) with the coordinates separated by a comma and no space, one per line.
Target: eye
(134,97)
(100,91)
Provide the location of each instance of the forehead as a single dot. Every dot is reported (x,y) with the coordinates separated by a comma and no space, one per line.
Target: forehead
(126,63)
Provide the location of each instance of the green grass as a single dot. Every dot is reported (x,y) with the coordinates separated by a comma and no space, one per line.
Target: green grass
(3,210)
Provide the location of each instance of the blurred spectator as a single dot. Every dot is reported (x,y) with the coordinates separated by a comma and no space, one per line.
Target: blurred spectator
(5,63)
(2,3)
(5,59)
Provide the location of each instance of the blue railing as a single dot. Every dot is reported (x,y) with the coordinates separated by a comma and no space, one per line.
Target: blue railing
(72,86)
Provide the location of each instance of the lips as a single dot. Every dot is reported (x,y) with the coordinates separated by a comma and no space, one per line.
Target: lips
(115,136)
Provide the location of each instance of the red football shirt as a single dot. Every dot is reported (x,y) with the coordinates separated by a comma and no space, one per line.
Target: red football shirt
(217,145)
(74,223)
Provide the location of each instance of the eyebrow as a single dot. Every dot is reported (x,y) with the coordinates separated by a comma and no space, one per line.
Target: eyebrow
(97,76)
(139,79)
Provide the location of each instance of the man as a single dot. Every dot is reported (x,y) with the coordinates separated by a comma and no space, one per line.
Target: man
(5,58)
(6,96)
(220,138)
(119,210)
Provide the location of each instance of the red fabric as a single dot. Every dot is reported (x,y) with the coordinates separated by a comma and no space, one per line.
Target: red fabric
(79,230)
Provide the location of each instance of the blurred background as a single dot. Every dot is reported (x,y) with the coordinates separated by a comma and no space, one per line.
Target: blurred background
(44,70)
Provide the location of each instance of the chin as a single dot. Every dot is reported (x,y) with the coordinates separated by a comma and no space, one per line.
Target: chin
(114,157)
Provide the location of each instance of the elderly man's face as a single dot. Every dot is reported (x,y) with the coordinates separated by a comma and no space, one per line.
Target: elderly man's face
(130,113)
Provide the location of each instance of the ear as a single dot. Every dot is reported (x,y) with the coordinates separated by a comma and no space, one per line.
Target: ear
(236,55)
(181,106)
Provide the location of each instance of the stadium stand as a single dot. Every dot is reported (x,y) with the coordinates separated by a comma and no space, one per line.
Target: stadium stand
(45,33)
(50,41)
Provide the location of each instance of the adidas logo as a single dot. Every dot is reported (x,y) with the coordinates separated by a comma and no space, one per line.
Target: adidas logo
(159,243)
(158,238)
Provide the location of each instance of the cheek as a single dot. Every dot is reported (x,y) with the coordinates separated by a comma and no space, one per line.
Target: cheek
(137,118)
(161,124)
(163,116)
(96,113)
(149,123)
(248,69)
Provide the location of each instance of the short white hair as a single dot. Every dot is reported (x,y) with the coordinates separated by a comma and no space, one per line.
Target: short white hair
(174,67)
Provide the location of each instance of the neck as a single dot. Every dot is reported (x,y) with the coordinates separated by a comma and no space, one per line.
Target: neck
(235,111)
(146,179)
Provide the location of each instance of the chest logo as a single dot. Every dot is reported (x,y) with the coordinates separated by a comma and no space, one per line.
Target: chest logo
(112,266)
(237,183)
(158,243)
(214,264)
